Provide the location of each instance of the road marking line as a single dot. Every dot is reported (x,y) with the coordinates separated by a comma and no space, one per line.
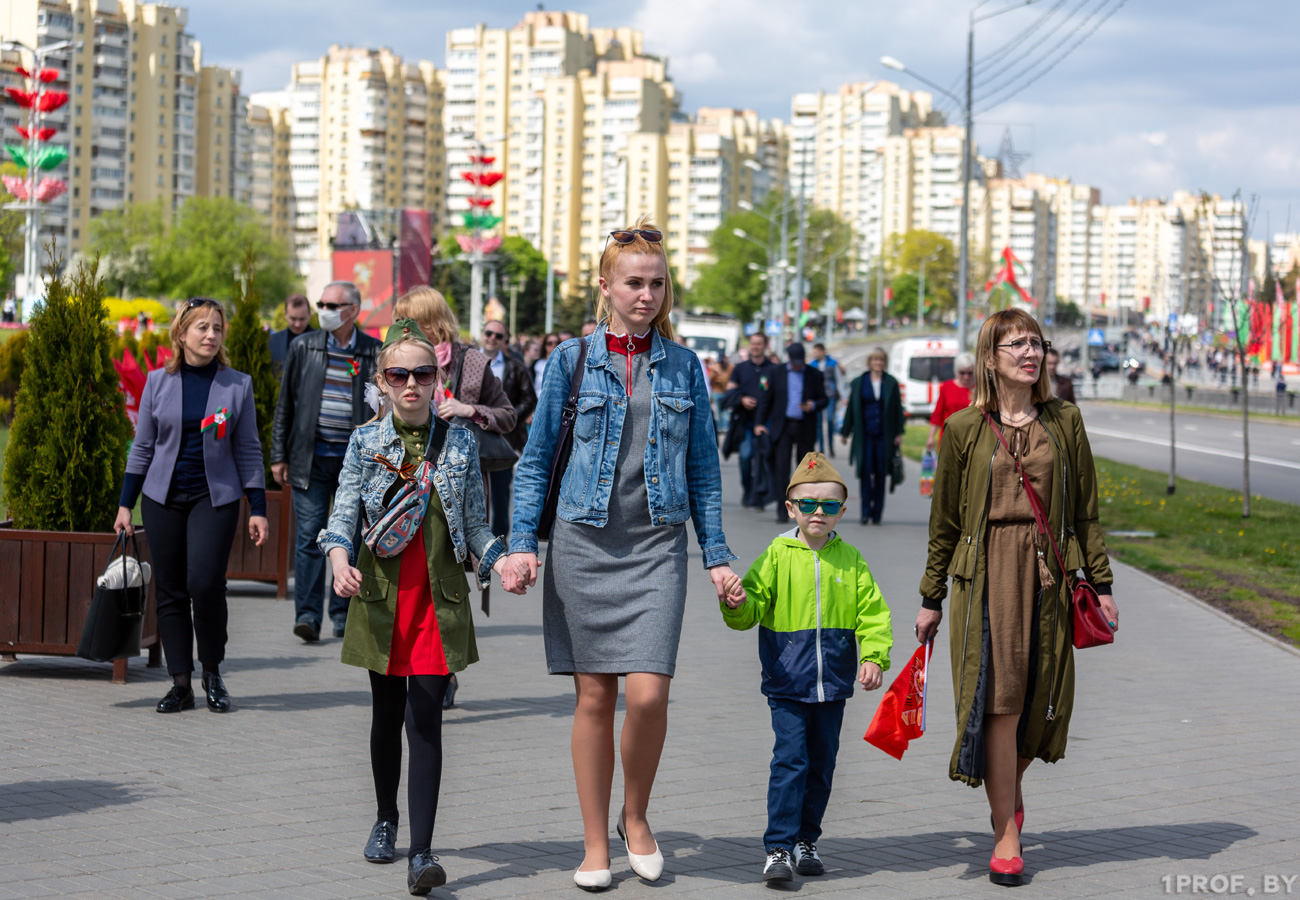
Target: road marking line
(1266,460)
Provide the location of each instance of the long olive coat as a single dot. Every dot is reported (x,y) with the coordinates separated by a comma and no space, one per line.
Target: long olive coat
(958,549)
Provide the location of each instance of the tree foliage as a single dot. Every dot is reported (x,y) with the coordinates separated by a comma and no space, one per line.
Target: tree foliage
(904,254)
(11,233)
(67,446)
(517,261)
(249,347)
(196,254)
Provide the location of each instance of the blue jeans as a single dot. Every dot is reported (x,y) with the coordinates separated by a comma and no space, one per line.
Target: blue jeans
(312,510)
(803,762)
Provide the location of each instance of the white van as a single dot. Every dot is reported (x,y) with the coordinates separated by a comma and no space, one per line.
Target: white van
(921,365)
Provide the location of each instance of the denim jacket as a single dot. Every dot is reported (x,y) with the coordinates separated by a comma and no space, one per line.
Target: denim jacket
(364,482)
(683,477)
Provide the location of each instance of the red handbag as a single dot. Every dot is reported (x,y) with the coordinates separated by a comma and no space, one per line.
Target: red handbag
(1090,628)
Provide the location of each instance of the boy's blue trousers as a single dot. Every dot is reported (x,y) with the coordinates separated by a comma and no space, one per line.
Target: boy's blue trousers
(803,761)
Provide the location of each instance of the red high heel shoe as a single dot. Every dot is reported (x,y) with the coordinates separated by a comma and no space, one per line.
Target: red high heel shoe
(1020,819)
(1007,872)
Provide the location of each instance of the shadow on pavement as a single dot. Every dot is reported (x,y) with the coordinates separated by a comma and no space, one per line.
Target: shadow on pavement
(286,702)
(60,797)
(469,711)
(70,667)
(506,630)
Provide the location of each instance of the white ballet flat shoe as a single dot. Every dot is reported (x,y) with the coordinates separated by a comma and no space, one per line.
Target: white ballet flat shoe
(649,866)
(595,880)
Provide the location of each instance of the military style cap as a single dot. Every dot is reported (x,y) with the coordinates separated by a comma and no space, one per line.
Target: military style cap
(405,328)
(815,467)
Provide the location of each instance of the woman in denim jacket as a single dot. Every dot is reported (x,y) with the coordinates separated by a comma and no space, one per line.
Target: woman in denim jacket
(644,459)
(409,620)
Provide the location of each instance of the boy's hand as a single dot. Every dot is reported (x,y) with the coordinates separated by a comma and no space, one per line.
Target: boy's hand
(727,584)
(869,676)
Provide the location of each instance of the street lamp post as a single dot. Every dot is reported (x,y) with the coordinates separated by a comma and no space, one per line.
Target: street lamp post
(963,260)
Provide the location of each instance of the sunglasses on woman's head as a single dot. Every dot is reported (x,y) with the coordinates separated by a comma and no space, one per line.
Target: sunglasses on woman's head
(397,376)
(829,507)
(196,302)
(629,235)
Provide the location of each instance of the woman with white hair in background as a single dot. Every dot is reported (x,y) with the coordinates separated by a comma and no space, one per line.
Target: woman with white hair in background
(953,395)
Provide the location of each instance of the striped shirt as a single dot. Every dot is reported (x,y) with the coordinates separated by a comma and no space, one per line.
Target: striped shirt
(334,424)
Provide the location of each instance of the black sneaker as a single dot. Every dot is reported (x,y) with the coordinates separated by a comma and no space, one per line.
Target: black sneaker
(307,629)
(777,868)
(381,846)
(423,873)
(806,860)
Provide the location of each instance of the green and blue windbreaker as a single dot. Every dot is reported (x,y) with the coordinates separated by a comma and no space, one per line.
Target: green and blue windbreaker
(819,615)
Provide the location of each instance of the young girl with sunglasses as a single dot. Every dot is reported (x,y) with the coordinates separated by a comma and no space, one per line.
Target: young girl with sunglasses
(409,621)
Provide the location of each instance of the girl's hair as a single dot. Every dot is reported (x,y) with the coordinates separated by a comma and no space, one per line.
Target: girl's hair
(386,357)
(609,263)
(190,310)
(429,308)
(996,328)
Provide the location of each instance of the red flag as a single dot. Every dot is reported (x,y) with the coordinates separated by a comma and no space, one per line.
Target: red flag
(1007,276)
(131,382)
(901,715)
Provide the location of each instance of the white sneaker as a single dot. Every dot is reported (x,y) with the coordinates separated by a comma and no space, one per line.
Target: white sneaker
(806,860)
(777,867)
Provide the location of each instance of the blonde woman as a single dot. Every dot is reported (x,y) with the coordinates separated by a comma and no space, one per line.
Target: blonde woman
(1012,657)
(196,453)
(644,460)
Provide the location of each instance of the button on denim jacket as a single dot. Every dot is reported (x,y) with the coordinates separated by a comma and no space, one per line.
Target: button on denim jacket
(682,473)
(364,482)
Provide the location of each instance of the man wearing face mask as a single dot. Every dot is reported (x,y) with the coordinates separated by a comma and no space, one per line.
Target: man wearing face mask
(322,398)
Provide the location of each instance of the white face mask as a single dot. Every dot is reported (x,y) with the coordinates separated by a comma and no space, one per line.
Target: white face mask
(330,319)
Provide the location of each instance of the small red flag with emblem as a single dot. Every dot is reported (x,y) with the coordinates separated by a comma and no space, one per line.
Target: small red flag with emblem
(901,716)
(218,421)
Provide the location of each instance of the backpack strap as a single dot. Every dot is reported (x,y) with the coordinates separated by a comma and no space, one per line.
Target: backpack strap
(437,437)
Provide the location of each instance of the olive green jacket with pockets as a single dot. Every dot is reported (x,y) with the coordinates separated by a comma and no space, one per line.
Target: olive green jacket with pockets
(959,548)
(820,615)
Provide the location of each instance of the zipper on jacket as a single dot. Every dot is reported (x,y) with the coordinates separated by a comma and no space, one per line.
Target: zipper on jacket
(1065,476)
(817,577)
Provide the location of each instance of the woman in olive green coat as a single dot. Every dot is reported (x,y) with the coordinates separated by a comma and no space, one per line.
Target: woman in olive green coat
(975,478)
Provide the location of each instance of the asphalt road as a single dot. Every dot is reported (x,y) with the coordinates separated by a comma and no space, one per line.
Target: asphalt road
(1209,446)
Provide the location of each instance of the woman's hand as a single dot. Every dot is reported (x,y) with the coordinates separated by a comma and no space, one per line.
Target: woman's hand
(898,440)
(123,521)
(451,408)
(259,529)
(518,572)
(347,580)
(870,676)
(1110,610)
(727,584)
(844,439)
(927,624)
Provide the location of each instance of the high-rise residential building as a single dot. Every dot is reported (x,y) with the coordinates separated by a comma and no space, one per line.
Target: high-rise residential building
(146,120)
(270,189)
(1019,216)
(365,132)
(923,190)
(1071,208)
(1284,253)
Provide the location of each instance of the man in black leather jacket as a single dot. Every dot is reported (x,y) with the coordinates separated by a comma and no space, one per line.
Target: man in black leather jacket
(322,398)
(517,382)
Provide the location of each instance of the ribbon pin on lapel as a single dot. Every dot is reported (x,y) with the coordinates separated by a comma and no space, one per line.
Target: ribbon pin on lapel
(218,421)
(353,368)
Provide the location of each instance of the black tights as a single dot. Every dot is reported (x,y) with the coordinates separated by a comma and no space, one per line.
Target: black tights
(417,701)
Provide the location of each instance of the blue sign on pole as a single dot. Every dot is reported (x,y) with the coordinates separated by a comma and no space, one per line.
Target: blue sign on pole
(1096,337)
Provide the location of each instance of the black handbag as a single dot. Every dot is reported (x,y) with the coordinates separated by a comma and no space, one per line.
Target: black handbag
(115,622)
(896,471)
(494,449)
(563,447)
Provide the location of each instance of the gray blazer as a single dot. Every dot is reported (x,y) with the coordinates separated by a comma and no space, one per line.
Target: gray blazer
(233,463)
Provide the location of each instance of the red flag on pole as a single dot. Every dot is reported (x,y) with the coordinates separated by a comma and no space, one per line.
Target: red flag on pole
(900,718)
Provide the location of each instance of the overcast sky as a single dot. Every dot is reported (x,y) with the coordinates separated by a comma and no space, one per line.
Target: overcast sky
(1165,94)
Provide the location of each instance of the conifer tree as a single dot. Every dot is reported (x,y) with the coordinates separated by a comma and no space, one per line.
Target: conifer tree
(249,347)
(68,443)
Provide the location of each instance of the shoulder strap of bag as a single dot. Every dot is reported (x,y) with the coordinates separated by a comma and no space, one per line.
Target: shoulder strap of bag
(575,385)
(1040,514)
(437,437)
(460,367)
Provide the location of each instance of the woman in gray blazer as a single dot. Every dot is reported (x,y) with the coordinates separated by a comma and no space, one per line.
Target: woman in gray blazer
(196,453)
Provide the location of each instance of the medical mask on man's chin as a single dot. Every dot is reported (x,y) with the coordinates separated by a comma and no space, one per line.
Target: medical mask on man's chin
(330,319)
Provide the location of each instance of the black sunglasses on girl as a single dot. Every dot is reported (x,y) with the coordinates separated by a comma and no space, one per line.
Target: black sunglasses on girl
(628,236)
(397,376)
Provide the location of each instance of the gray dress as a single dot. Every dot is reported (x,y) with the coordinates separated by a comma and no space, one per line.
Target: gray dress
(613,597)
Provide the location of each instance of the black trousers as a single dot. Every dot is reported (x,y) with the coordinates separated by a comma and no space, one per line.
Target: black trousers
(501,482)
(877,452)
(797,438)
(190,541)
(417,702)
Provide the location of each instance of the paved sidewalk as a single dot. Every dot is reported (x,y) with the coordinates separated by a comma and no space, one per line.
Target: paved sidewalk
(1182,761)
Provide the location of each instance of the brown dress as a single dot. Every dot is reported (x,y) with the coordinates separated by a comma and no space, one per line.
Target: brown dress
(1012,564)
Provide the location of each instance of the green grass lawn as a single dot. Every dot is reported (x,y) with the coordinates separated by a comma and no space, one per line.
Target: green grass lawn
(1247,567)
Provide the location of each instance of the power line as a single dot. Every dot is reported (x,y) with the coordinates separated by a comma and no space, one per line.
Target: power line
(1028,79)
(1019,39)
(1000,78)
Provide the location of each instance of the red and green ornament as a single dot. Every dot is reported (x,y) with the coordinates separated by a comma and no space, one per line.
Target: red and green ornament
(218,421)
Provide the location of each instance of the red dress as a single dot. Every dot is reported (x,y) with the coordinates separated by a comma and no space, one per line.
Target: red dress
(952,397)
(417,644)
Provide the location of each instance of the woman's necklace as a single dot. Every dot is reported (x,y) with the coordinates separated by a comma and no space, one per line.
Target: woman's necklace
(1019,418)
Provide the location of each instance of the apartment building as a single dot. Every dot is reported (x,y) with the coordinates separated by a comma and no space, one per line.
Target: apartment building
(365,131)
(922,183)
(270,189)
(136,127)
(1019,216)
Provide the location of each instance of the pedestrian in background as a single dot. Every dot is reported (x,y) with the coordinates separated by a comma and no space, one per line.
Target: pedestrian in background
(549,343)
(829,366)
(297,311)
(517,384)
(1012,660)
(410,638)
(822,625)
(953,395)
(720,369)
(751,380)
(874,423)
(195,454)
(322,398)
(790,413)
(1062,386)
(644,460)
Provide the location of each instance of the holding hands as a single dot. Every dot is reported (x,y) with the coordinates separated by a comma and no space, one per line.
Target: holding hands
(727,584)
(518,571)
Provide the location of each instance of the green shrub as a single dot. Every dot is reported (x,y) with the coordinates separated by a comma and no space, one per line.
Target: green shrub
(67,447)
(12,354)
(249,347)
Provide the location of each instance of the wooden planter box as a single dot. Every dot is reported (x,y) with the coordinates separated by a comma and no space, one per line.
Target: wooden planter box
(272,561)
(49,579)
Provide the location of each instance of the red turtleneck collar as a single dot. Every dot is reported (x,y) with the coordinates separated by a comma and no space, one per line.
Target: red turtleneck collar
(628,345)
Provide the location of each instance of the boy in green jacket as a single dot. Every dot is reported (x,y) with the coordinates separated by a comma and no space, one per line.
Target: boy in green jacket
(822,625)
